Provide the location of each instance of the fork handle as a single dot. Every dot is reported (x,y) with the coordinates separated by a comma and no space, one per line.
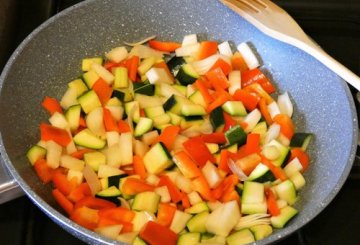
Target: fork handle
(331,63)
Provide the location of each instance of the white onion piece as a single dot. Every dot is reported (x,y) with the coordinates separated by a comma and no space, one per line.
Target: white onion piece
(92,179)
(103,73)
(144,52)
(204,65)
(272,133)
(285,105)
(237,170)
(252,119)
(124,203)
(140,42)
(225,49)
(117,54)
(273,109)
(188,50)
(250,59)
(235,81)
(189,40)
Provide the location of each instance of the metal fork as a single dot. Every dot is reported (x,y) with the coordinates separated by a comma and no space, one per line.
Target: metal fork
(277,23)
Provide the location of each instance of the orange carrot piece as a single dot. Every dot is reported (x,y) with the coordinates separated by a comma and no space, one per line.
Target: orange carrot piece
(123,126)
(200,85)
(156,234)
(42,170)
(165,214)
(287,127)
(51,105)
(174,192)
(49,132)
(303,157)
(109,122)
(186,165)
(61,199)
(86,217)
(103,90)
(264,111)
(139,167)
(164,46)
(238,62)
(168,135)
(223,65)
(207,48)
(134,186)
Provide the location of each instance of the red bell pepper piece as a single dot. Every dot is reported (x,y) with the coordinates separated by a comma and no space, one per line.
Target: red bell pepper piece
(202,186)
(249,100)
(200,85)
(86,217)
(223,65)
(168,136)
(253,143)
(79,192)
(287,127)
(134,186)
(217,78)
(186,165)
(218,101)
(198,151)
(217,138)
(238,62)
(51,105)
(139,167)
(94,203)
(123,126)
(109,122)
(303,157)
(117,214)
(61,182)
(229,122)
(43,170)
(165,214)
(61,199)
(80,153)
(174,192)
(257,76)
(224,158)
(278,172)
(103,90)
(164,46)
(273,208)
(207,48)
(132,65)
(60,136)
(264,111)
(156,234)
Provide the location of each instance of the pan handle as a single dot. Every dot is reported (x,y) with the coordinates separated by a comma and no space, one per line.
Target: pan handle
(9,189)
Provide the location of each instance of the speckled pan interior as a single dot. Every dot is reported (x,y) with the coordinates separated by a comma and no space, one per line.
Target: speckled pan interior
(50,57)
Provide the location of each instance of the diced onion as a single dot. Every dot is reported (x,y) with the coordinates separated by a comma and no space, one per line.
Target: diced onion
(252,119)
(141,41)
(273,109)
(189,40)
(237,170)
(272,133)
(252,220)
(225,49)
(187,50)
(204,65)
(92,179)
(250,59)
(235,81)
(117,54)
(285,105)
(143,51)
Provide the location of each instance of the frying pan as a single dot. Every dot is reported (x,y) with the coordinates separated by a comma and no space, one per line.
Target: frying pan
(50,57)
